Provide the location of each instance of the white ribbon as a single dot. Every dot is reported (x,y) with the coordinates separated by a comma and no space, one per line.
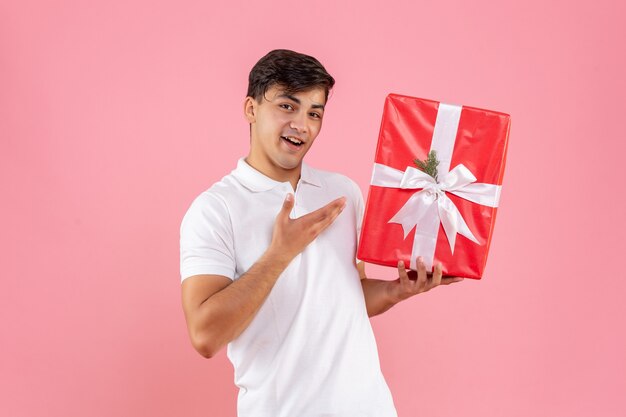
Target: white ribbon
(425,209)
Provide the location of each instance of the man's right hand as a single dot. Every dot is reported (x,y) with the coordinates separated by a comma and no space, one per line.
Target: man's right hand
(291,236)
(218,309)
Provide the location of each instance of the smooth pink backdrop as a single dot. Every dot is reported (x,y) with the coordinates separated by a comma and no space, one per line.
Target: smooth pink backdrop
(115,115)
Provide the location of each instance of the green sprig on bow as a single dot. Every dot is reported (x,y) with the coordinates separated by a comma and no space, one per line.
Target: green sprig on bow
(429,165)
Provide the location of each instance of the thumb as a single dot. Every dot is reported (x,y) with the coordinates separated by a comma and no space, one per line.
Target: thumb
(287,206)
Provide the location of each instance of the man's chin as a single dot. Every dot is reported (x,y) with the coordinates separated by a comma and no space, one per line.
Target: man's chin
(289,164)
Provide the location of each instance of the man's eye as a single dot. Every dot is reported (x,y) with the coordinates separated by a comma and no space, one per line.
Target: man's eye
(316,115)
(286,106)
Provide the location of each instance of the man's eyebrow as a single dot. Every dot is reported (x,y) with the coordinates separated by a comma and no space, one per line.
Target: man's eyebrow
(295,99)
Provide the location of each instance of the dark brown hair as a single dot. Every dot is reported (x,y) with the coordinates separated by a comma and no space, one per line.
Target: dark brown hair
(291,70)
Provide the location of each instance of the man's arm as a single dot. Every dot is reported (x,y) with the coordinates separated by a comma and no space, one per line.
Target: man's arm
(381,295)
(218,310)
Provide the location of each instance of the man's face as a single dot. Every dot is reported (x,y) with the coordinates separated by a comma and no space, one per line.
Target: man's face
(283,127)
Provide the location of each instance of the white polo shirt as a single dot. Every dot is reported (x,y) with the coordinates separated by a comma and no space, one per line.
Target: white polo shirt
(310,350)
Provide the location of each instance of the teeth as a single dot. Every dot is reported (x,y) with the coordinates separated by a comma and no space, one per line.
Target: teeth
(293,140)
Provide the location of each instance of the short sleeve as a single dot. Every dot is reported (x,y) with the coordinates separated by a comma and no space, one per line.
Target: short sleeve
(206,239)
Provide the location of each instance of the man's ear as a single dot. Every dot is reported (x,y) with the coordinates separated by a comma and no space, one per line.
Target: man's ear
(249,109)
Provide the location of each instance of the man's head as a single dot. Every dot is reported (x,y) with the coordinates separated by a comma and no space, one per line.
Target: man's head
(292,71)
(285,105)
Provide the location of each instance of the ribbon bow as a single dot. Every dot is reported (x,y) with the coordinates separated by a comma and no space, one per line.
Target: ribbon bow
(427,208)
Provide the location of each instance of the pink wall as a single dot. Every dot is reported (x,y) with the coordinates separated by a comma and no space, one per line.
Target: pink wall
(115,115)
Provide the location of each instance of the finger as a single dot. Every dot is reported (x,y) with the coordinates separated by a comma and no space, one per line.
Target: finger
(330,213)
(333,208)
(437,275)
(338,203)
(316,227)
(328,210)
(332,218)
(320,226)
(287,206)
(404,277)
(421,273)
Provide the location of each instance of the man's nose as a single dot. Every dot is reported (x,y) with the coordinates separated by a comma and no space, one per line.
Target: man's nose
(298,122)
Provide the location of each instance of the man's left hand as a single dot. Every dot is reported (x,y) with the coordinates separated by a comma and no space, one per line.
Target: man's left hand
(410,283)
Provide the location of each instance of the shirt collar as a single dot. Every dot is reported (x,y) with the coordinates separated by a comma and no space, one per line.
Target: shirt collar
(257,182)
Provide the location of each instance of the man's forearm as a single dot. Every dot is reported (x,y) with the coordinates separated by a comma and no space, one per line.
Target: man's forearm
(377,297)
(227,313)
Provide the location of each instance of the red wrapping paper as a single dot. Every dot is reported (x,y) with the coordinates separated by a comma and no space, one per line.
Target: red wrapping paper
(406,134)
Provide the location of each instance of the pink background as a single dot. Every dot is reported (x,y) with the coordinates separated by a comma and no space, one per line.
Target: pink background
(115,115)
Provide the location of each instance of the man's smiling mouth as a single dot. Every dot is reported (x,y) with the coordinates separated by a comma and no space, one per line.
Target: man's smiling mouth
(293,140)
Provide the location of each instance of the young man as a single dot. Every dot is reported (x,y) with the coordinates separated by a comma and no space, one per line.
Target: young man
(268,263)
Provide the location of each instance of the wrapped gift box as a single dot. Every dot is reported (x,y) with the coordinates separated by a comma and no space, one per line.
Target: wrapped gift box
(448,220)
